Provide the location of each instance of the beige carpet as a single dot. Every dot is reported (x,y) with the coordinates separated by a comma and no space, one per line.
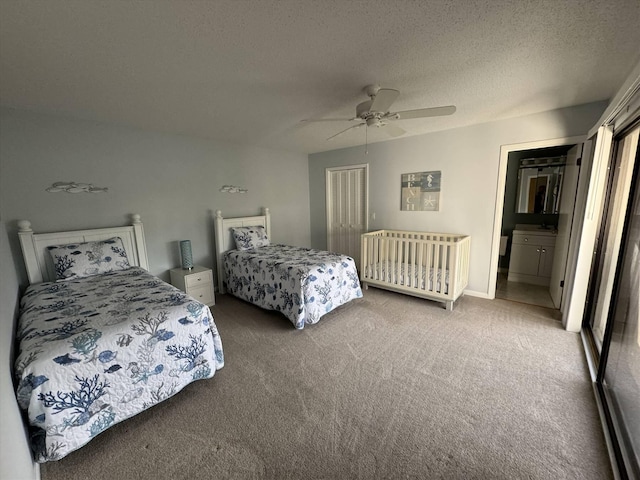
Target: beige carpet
(388,386)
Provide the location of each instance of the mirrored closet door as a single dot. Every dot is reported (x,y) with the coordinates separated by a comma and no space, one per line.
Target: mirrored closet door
(612,317)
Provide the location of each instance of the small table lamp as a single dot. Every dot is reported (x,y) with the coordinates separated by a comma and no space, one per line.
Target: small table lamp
(186,255)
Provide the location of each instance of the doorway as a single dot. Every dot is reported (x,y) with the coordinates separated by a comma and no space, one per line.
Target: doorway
(527,262)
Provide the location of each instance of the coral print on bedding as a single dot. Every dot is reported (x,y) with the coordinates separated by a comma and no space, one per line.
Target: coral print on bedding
(247,238)
(97,350)
(302,283)
(79,260)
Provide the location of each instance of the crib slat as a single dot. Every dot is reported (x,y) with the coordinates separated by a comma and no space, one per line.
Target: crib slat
(376,246)
(444,267)
(399,261)
(430,266)
(372,250)
(396,261)
(436,266)
(363,256)
(407,278)
(415,262)
(424,249)
(386,254)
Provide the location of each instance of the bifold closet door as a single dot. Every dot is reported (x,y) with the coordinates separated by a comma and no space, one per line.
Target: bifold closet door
(346,210)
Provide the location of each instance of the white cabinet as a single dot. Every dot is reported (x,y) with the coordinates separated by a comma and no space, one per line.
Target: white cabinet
(197,282)
(531,259)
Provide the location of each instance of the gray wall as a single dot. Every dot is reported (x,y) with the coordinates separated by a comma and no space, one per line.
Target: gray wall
(15,456)
(468,158)
(171,181)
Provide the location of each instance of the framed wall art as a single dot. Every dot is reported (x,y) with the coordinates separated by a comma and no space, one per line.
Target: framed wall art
(420,191)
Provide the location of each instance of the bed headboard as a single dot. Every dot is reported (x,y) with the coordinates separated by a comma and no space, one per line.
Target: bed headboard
(38,262)
(224,235)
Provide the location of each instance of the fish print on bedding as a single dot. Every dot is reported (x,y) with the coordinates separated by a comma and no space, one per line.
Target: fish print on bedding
(98,350)
(302,283)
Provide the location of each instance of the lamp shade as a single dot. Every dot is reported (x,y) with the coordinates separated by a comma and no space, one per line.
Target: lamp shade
(186,255)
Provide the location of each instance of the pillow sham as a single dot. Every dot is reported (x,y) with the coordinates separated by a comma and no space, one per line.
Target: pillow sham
(78,260)
(248,238)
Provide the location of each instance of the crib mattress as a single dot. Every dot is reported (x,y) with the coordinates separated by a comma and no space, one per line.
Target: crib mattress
(384,271)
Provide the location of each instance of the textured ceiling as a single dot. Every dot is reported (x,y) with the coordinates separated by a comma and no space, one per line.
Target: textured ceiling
(248,71)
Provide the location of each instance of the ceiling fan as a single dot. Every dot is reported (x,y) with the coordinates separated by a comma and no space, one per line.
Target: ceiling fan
(375,112)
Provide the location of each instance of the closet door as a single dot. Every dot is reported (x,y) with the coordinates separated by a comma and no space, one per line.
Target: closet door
(346,209)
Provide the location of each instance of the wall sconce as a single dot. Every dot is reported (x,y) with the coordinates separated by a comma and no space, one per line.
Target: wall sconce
(73,187)
(233,189)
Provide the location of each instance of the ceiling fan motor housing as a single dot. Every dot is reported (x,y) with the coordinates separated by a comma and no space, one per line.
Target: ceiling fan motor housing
(362,110)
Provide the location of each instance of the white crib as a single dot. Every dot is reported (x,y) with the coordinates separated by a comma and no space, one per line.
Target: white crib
(434,266)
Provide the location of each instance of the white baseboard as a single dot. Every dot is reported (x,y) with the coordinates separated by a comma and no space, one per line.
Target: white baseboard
(473,293)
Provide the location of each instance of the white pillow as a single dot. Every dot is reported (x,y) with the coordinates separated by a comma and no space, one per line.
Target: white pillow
(248,238)
(78,260)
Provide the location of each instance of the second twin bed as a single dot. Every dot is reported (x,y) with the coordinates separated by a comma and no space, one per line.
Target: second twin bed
(302,283)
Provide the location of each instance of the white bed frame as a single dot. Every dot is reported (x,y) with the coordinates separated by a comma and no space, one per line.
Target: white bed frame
(38,262)
(224,236)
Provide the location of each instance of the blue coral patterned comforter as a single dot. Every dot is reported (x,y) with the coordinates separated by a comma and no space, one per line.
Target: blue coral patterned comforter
(98,350)
(302,283)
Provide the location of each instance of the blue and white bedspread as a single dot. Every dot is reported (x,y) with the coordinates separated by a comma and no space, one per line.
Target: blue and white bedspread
(98,350)
(302,283)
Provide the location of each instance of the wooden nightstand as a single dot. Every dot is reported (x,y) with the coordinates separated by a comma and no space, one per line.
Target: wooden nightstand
(197,282)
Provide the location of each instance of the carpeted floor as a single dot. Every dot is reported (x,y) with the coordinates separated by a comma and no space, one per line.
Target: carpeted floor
(388,386)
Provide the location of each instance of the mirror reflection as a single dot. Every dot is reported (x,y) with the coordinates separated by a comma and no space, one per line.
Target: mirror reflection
(540,185)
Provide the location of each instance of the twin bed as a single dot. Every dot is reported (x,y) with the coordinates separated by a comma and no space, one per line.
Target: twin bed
(100,339)
(302,283)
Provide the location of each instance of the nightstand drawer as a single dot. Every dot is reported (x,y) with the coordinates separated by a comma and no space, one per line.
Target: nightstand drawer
(197,282)
(204,293)
(197,279)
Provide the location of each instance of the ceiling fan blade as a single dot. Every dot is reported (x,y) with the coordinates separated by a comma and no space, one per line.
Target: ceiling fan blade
(383,100)
(327,120)
(393,130)
(346,130)
(426,112)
